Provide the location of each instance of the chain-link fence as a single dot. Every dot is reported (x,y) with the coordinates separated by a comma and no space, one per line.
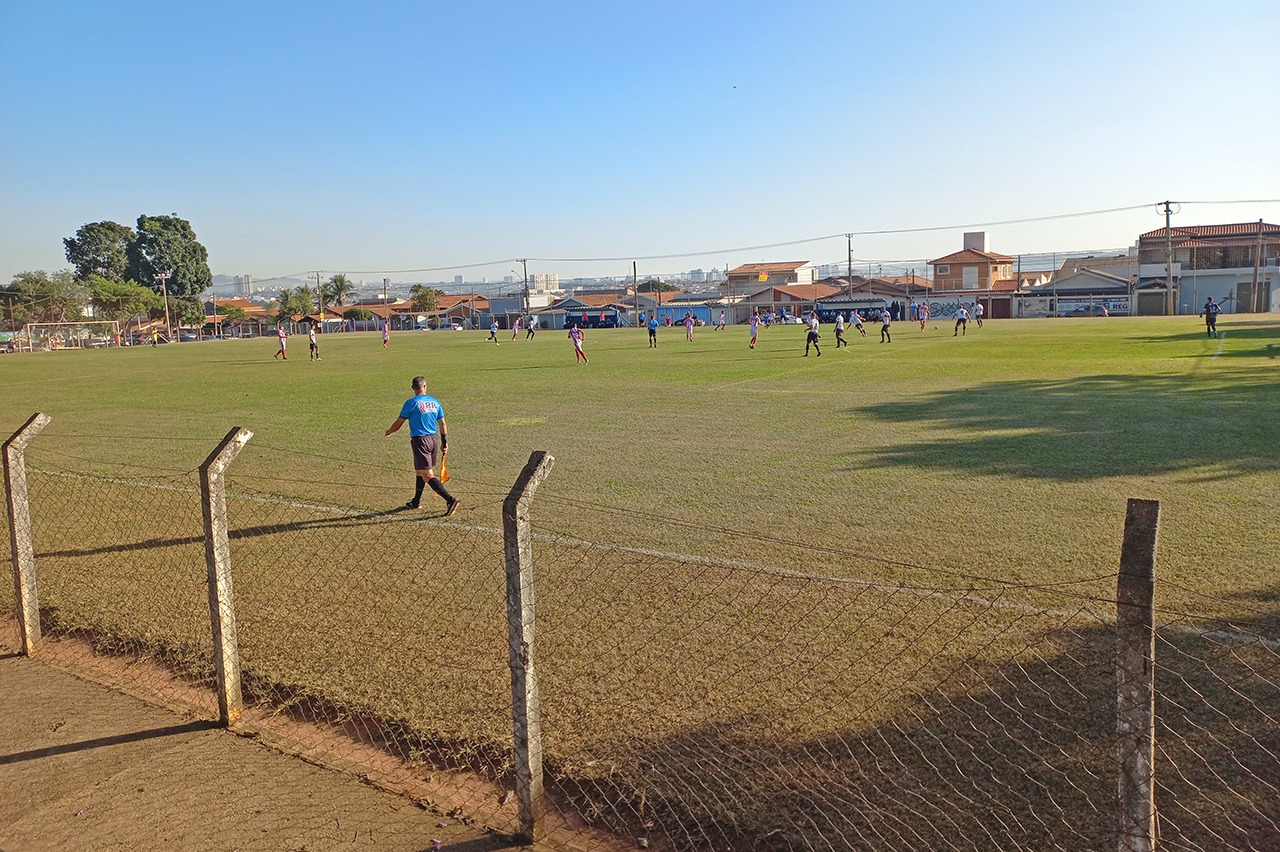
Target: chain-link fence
(822,699)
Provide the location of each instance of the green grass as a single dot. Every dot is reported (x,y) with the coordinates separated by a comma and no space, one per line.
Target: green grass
(1007,453)
(674,681)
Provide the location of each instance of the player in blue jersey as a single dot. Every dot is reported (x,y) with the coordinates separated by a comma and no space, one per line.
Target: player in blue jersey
(427,434)
(653,333)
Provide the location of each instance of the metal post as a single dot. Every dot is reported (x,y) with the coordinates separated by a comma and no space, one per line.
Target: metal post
(526,713)
(1135,677)
(217,555)
(19,511)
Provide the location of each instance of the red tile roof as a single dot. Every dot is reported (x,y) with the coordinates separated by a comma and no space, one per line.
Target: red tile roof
(1242,229)
(973,256)
(780,268)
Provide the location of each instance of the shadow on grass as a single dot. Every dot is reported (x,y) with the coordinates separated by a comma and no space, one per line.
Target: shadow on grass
(1023,756)
(365,519)
(1221,425)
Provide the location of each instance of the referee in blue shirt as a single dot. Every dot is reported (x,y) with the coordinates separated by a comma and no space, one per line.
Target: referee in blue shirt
(425,415)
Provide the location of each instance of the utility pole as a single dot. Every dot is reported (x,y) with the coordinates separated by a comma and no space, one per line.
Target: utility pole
(320,301)
(213,300)
(164,289)
(849,240)
(524,265)
(1168,256)
(1257,260)
(635,290)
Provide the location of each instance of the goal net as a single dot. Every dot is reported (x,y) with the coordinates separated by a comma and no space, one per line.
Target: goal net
(84,334)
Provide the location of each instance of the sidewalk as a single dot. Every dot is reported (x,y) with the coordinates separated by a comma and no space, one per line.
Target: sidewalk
(86,768)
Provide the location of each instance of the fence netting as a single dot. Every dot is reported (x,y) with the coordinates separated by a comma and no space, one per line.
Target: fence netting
(761,695)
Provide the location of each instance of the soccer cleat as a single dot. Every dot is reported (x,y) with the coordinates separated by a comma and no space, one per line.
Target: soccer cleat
(451,507)
(412,504)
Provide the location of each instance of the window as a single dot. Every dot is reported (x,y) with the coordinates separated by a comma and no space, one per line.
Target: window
(944,269)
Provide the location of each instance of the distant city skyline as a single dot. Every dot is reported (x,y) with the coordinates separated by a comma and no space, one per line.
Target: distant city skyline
(680,136)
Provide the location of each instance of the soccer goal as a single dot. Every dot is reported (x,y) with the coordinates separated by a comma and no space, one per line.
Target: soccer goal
(84,334)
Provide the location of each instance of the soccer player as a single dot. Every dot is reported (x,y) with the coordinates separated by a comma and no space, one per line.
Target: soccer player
(653,332)
(812,336)
(857,322)
(532,325)
(313,348)
(977,313)
(281,334)
(1210,314)
(720,327)
(576,335)
(962,321)
(755,329)
(386,333)
(493,332)
(427,434)
(840,332)
(515,328)
(885,337)
(688,325)
(923,313)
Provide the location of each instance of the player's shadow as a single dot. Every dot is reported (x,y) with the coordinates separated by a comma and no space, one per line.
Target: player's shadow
(1217,425)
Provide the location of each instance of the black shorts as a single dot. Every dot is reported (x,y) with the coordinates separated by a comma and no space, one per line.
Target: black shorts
(425,449)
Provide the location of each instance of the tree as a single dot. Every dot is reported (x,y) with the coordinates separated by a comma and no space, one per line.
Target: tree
(190,311)
(358,314)
(41,297)
(100,248)
(300,300)
(121,300)
(168,244)
(653,285)
(425,299)
(338,289)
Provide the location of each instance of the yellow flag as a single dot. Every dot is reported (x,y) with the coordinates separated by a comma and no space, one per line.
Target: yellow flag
(444,471)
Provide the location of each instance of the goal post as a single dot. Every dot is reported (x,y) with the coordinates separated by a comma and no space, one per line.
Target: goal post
(83,334)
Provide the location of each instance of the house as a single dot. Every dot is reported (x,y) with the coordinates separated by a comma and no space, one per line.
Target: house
(1219,262)
(792,298)
(1082,291)
(588,311)
(971,275)
(751,277)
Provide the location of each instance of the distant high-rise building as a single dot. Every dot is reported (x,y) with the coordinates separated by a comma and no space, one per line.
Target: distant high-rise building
(457,280)
(508,280)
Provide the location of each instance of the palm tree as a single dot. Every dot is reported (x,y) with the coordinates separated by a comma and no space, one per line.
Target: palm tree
(338,289)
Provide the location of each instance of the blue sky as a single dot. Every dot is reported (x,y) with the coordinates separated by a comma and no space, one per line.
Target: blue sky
(383,137)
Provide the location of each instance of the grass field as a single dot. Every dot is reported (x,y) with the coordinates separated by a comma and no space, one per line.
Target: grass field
(1007,453)
(980,481)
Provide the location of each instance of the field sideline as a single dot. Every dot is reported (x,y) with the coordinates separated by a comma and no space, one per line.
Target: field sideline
(1006,454)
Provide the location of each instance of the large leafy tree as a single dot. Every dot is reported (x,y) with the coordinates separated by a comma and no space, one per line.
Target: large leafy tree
(300,300)
(100,248)
(121,300)
(338,290)
(653,285)
(425,299)
(41,297)
(168,244)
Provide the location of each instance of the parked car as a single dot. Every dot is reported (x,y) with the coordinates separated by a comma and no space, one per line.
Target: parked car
(1088,311)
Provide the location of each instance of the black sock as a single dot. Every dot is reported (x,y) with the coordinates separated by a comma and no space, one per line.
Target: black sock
(417,489)
(438,487)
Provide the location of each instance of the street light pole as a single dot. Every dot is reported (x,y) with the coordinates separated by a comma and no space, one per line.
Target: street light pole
(164,289)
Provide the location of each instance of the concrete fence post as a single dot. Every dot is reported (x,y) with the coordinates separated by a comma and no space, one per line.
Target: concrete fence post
(217,555)
(1135,677)
(526,714)
(26,596)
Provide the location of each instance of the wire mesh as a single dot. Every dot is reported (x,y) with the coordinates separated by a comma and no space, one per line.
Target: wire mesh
(699,705)
(776,697)
(121,578)
(377,639)
(1218,735)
